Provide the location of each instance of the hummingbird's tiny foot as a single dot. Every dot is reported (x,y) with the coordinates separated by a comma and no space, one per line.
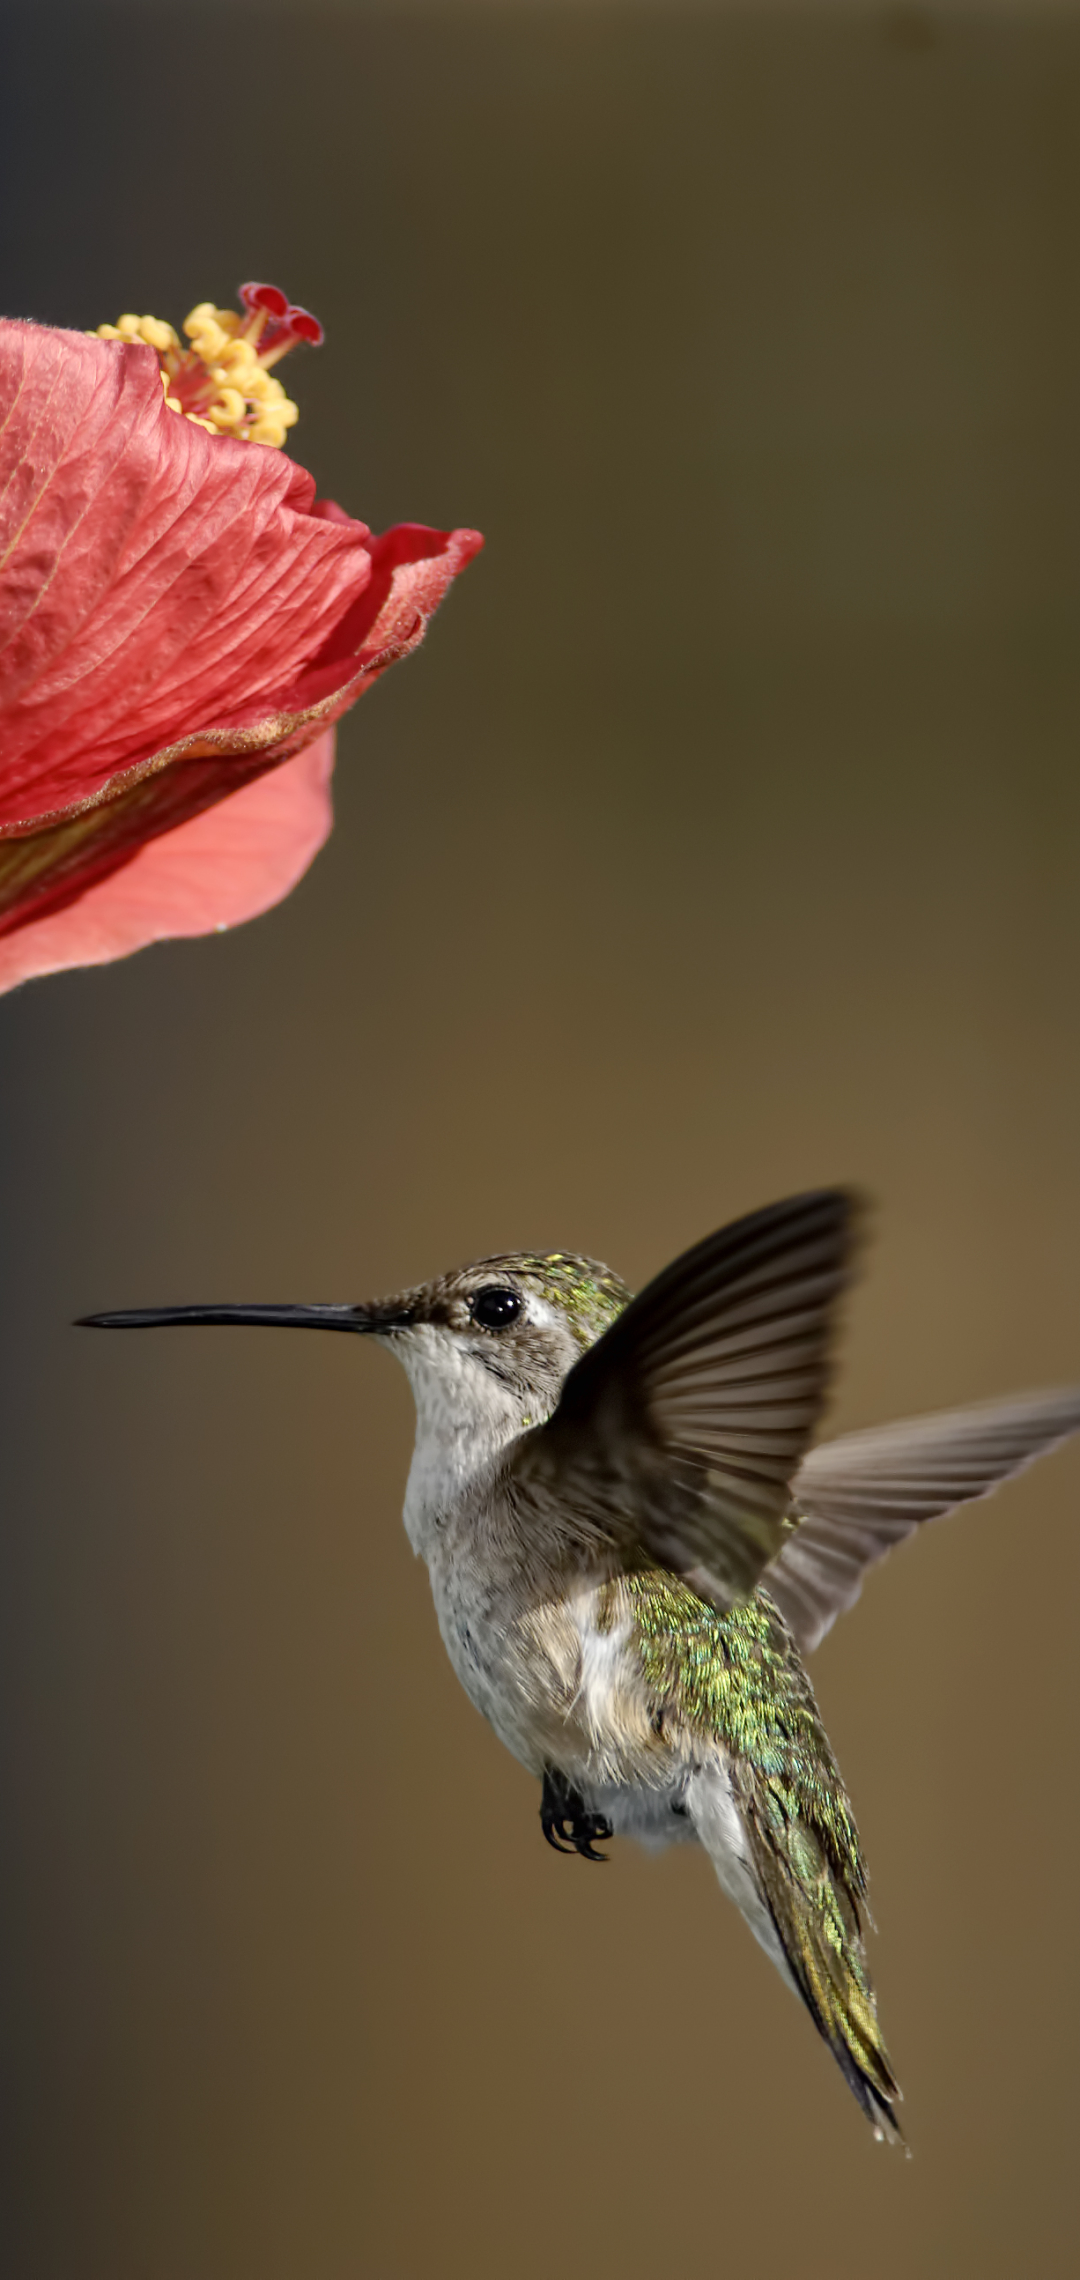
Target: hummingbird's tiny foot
(594,1825)
(555,1841)
(565,1822)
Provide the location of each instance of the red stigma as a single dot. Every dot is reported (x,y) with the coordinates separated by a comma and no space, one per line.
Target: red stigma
(284,317)
(304,325)
(266,297)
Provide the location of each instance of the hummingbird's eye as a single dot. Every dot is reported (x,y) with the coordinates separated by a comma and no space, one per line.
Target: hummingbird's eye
(495,1306)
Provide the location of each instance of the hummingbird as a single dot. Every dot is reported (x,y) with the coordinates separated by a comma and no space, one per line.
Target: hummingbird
(634,1538)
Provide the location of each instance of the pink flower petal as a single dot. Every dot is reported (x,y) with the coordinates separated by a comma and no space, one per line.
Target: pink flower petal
(228,864)
(154,580)
(178,614)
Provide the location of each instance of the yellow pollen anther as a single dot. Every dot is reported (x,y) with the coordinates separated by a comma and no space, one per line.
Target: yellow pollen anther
(158,335)
(218,379)
(228,409)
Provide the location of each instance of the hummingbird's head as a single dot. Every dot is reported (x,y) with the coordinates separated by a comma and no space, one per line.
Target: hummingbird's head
(497,1338)
(486,1345)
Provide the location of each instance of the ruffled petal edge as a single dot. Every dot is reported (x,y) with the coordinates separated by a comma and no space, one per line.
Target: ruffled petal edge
(226,865)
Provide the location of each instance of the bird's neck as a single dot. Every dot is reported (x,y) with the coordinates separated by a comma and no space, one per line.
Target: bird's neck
(463,1423)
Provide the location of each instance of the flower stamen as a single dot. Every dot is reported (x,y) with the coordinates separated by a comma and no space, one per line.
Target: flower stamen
(222,379)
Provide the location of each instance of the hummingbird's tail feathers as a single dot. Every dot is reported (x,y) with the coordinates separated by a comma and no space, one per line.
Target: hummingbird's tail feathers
(813,1891)
(684,1424)
(857,1497)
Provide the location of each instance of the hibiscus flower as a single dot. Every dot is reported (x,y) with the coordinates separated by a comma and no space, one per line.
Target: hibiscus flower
(181,623)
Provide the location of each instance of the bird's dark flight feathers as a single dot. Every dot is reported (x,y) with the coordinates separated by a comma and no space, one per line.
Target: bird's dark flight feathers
(856,1497)
(688,1419)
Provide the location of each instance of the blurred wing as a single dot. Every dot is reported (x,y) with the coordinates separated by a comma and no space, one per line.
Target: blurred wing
(857,1497)
(682,1428)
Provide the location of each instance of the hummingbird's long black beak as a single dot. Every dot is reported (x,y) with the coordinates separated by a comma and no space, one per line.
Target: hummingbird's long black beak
(372,1319)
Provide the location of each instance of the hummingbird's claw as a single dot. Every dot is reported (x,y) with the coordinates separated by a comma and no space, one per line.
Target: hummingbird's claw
(555,1841)
(565,1822)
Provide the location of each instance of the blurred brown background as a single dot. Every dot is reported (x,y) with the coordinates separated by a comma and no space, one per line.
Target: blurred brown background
(722,840)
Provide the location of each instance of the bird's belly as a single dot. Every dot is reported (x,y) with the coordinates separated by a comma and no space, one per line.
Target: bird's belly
(655,1814)
(498,1684)
(561,1686)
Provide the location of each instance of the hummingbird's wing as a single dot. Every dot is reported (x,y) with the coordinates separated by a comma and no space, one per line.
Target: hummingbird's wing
(680,1430)
(857,1497)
